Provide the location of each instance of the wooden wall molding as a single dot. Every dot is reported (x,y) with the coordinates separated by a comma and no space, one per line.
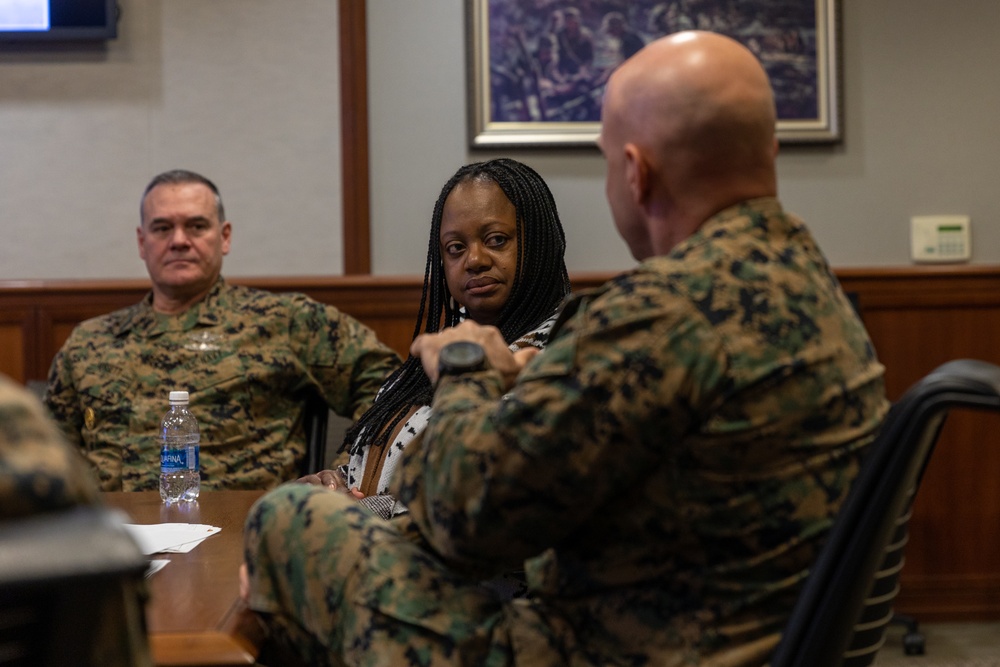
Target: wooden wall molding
(918,318)
(924,286)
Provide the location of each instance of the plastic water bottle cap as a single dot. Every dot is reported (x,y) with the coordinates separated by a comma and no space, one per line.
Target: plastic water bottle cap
(178,397)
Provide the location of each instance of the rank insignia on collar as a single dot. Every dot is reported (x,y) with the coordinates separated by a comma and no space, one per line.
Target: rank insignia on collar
(203,341)
(89,418)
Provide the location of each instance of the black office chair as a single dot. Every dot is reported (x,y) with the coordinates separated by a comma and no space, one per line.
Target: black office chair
(846,603)
(315,417)
(72,591)
(913,639)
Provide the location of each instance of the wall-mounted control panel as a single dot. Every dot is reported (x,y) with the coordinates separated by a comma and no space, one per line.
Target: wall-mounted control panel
(940,238)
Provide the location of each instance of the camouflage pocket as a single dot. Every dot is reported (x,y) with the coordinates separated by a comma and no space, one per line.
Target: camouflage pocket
(106,399)
(220,390)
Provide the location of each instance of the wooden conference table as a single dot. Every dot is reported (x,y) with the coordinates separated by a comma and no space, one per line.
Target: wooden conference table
(195,615)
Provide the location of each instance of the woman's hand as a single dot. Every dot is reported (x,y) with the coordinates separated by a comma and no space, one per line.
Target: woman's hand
(329,479)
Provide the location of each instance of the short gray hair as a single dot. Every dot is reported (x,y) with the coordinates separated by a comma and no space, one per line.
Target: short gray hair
(181,176)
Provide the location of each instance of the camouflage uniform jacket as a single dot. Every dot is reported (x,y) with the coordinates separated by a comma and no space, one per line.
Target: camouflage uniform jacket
(667,468)
(246,356)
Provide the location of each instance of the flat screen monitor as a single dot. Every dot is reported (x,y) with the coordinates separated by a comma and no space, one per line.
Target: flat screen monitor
(58,20)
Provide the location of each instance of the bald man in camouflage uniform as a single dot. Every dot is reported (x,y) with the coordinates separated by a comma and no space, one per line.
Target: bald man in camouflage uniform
(247,357)
(666,470)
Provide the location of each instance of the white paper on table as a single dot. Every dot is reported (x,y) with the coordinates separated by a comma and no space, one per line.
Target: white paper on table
(174,538)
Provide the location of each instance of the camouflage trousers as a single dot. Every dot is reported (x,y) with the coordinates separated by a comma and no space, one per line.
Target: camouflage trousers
(345,587)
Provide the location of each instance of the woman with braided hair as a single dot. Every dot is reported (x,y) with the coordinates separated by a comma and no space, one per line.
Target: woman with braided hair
(496,256)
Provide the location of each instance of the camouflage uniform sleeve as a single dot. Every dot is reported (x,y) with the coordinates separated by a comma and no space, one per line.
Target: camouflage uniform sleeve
(82,359)
(61,398)
(345,357)
(561,443)
(38,471)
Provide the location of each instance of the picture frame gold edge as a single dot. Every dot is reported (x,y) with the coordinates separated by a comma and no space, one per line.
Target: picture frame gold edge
(484,134)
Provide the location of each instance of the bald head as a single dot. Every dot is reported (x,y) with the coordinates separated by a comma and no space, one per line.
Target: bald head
(694,90)
(698,112)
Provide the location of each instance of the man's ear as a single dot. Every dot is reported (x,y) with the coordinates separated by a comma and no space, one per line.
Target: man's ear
(139,239)
(637,174)
(227,233)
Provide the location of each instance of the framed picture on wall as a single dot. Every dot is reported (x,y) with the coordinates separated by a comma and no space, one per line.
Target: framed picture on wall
(537,68)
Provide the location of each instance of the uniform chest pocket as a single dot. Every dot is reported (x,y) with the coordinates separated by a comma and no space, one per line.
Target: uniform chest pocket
(214,377)
(219,394)
(106,399)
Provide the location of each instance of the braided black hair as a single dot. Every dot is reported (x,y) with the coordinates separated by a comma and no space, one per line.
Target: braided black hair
(541,282)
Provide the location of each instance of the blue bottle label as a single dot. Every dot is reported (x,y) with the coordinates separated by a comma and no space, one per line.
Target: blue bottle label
(174,459)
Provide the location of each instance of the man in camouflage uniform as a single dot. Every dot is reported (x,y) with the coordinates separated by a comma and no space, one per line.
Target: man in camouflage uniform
(41,474)
(247,357)
(665,471)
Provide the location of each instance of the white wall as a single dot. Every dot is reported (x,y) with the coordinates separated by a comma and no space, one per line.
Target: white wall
(243,91)
(246,91)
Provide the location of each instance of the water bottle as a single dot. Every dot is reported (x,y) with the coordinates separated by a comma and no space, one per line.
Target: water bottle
(180,476)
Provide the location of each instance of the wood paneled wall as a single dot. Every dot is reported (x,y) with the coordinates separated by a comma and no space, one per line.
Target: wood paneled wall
(918,317)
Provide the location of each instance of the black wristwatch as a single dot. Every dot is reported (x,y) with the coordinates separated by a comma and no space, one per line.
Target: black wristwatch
(461,357)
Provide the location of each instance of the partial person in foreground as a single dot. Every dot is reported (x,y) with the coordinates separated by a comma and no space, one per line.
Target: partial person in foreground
(666,469)
(495,256)
(248,358)
(40,474)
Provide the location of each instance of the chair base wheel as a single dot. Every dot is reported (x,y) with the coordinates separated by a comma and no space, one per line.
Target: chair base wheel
(913,644)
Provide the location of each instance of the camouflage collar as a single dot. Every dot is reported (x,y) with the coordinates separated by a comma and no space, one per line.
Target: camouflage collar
(738,219)
(142,319)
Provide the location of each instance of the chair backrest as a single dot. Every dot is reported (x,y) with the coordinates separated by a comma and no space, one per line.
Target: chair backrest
(846,602)
(72,591)
(315,417)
